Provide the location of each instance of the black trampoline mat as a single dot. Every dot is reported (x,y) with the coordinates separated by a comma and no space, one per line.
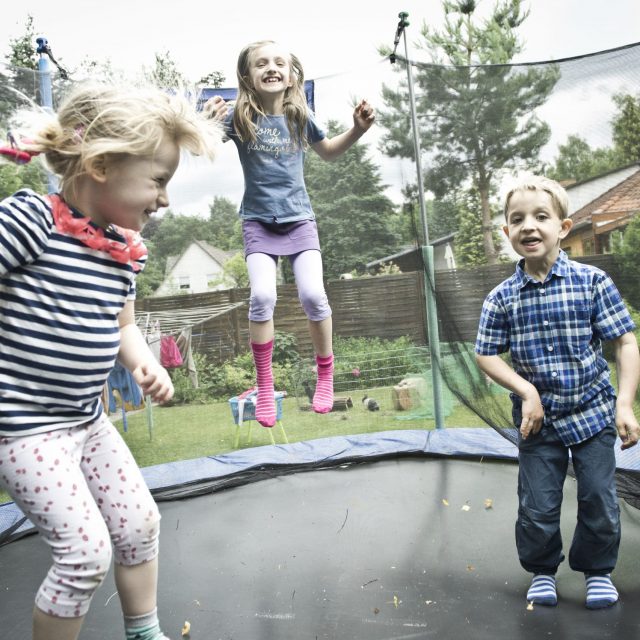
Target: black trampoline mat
(364,552)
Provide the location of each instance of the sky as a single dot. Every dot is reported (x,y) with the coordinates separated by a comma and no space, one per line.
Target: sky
(333,39)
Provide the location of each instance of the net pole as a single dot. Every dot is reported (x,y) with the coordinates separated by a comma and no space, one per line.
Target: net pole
(433,332)
(46,94)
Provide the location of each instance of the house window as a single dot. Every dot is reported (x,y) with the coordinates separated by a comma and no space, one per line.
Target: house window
(184,282)
(587,247)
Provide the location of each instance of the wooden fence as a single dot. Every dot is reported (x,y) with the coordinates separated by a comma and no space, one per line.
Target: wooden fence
(382,307)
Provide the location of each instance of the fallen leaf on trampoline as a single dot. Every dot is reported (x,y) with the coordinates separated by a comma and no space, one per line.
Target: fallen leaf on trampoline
(470,567)
(488,503)
(186,628)
(445,502)
(529,606)
(466,507)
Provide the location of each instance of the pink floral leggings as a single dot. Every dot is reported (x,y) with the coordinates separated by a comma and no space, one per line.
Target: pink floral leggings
(84,492)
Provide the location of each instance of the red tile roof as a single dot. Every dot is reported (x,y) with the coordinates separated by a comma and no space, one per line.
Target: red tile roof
(620,201)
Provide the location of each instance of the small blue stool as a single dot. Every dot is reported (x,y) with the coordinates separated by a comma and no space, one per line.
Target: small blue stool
(244,410)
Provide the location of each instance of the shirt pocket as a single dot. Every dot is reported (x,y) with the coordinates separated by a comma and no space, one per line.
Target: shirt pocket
(573,326)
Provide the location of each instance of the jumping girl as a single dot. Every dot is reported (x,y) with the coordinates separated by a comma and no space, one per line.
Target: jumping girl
(67,282)
(272,126)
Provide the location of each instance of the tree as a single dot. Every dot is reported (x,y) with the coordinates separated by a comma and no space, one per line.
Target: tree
(225,224)
(235,270)
(577,161)
(22,50)
(151,278)
(467,249)
(214,79)
(442,216)
(18,78)
(165,73)
(172,234)
(356,221)
(14,177)
(626,127)
(629,252)
(477,114)
(16,86)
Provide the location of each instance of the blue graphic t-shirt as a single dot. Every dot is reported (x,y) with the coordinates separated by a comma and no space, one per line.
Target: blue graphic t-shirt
(274,189)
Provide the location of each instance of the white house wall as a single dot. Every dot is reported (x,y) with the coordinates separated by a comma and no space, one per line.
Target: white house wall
(198,267)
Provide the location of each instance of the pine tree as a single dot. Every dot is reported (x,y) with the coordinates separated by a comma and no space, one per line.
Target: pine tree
(356,221)
(476,113)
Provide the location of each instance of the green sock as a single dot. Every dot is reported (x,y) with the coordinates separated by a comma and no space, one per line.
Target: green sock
(144,627)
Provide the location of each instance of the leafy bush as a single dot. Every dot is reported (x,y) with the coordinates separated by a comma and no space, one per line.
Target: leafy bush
(285,348)
(628,252)
(360,363)
(363,363)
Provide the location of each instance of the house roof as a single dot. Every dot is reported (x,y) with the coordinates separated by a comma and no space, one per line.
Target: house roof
(214,253)
(621,201)
(574,184)
(409,250)
(218,255)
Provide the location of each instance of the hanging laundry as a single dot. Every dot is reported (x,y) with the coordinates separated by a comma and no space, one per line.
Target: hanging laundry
(122,381)
(170,356)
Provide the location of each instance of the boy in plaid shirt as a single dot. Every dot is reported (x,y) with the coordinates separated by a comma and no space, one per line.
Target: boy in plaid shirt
(552,316)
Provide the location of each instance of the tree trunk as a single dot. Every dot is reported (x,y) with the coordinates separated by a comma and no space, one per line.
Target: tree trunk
(487,225)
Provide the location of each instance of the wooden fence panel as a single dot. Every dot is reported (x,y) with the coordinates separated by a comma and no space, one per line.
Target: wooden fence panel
(383,307)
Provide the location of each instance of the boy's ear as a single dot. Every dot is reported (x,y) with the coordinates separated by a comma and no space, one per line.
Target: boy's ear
(565,227)
(97,168)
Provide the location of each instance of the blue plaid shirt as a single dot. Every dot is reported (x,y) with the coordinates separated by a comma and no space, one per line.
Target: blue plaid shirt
(554,331)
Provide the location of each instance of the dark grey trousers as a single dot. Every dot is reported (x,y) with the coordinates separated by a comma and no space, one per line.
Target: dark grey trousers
(543,461)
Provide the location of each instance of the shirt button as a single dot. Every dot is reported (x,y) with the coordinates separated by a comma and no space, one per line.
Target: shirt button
(549,348)
(554,374)
(541,291)
(546,323)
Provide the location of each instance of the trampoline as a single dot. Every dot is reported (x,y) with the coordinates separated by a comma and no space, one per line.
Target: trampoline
(322,543)
(387,536)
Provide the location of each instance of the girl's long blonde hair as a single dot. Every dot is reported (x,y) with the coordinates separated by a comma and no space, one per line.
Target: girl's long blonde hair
(248,106)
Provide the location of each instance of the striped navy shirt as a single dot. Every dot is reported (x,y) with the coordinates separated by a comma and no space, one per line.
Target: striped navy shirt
(59,334)
(554,332)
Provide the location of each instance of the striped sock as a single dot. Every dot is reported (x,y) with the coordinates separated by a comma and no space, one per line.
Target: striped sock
(543,590)
(323,397)
(144,627)
(600,592)
(265,403)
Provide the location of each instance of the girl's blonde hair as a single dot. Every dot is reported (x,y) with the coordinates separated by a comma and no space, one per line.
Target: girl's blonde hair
(555,190)
(95,121)
(248,106)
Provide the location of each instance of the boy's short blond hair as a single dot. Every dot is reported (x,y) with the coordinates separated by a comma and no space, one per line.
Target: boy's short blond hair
(557,192)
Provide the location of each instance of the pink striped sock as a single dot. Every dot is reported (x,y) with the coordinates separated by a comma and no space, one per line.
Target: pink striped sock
(323,397)
(265,403)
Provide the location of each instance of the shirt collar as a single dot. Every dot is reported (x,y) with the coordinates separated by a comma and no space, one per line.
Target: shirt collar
(560,268)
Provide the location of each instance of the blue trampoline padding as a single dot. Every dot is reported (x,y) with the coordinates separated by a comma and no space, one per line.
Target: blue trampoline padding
(454,442)
(464,442)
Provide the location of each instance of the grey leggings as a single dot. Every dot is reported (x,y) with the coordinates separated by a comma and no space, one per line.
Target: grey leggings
(307,269)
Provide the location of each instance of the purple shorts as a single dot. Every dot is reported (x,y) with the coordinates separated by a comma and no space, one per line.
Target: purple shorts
(280,239)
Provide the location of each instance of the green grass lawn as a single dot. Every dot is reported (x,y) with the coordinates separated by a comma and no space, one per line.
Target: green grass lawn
(184,432)
(193,431)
